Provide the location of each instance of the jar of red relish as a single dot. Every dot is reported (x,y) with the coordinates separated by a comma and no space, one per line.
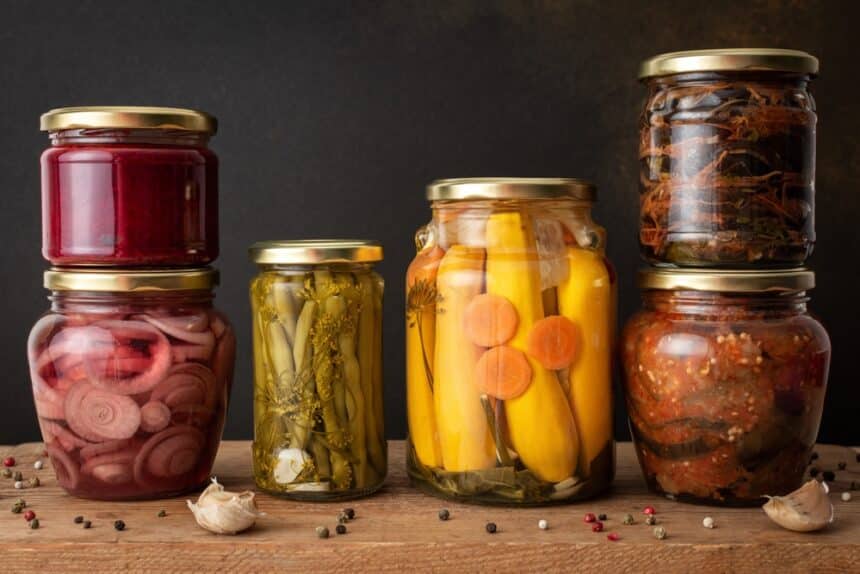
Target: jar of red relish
(131,372)
(129,186)
(725,375)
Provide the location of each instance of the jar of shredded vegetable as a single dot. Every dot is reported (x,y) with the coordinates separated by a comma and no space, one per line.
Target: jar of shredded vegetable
(318,404)
(131,372)
(725,374)
(510,304)
(727,158)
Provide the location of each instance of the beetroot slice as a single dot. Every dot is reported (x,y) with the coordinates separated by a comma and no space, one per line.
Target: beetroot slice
(168,455)
(66,469)
(159,350)
(99,415)
(187,328)
(154,416)
(100,448)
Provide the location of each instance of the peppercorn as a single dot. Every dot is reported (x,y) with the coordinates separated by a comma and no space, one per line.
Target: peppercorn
(601,517)
(853,486)
(350,513)
(491,527)
(842,465)
(708,522)
(7,473)
(340,529)
(29,515)
(813,472)
(660,533)
(650,520)
(589,517)
(17,475)
(597,527)
(846,496)
(119,525)
(444,514)
(19,484)
(543,524)
(162,513)
(34,481)
(38,465)
(34,524)
(322,532)
(87,523)
(628,519)
(79,519)
(813,457)
(9,461)
(17,508)
(649,510)
(342,518)
(829,475)
(613,536)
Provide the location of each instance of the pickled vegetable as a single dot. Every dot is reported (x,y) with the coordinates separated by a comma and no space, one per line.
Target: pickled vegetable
(317,394)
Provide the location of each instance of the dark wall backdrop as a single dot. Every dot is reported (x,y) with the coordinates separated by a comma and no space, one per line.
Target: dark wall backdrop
(334,116)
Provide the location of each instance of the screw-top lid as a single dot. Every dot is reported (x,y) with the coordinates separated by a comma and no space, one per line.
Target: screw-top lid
(510,188)
(311,251)
(782,280)
(729,60)
(119,280)
(128,117)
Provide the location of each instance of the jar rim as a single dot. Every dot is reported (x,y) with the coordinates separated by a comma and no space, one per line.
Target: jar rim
(128,280)
(128,117)
(729,60)
(315,251)
(511,188)
(730,281)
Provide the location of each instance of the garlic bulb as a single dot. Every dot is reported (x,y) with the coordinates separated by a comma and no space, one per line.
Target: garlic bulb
(291,463)
(223,512)
(806,509)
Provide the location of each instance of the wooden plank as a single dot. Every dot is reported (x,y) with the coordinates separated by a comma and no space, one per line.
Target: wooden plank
(398,530)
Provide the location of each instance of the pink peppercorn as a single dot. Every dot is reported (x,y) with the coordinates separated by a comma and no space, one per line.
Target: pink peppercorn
(589,517)
(9,461)
(649,510)
(29,515)
(613,536)
(597,527)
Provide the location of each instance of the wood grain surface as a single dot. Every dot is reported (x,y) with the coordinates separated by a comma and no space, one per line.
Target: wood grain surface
(398,530)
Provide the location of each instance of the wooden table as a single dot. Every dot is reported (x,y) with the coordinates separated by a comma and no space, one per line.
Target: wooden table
(398,530)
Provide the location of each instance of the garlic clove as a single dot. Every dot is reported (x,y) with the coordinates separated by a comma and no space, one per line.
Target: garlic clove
(806,509)
(291,463)
(223,512)
(567,487)
(310,487)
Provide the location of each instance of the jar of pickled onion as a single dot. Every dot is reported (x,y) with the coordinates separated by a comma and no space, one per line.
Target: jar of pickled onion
(725,374)
(131,373)
(318,397)
(510,306)
(130,187)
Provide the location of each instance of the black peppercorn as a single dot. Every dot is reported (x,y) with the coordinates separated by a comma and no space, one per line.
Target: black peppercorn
(162,513)
(119,525)
(350,513)
(813,472)
(491,527)
(601,517)
(829,475)
(842,465)
(340,529)
(34,524)
(79,519)
(444,514)
(87,523)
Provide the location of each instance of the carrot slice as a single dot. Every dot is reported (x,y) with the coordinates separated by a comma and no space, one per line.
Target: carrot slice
(99,415)
(552,342)
(490,320)
(503,373)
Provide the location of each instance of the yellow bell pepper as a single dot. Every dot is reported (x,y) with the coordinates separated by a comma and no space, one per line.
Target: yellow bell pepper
(420,343)
(464,435)
(540,424)
(587,299)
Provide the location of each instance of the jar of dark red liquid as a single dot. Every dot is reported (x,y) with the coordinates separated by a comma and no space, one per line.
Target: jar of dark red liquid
(727,158)
(131,373)
(725,376)
(129,186)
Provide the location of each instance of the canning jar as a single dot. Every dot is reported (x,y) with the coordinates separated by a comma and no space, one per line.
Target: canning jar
(727,158)
(131,372)
(130,187)
(510,305)
(725,375)
(318,403)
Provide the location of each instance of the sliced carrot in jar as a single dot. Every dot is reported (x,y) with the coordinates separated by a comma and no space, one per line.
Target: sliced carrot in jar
(503,373)
(552,342)
(490,320)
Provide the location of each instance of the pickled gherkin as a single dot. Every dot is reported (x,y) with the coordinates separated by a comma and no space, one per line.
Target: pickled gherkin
(318,419)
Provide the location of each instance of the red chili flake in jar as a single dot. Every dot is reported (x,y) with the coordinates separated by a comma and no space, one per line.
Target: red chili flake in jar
(9,461)
(589,517)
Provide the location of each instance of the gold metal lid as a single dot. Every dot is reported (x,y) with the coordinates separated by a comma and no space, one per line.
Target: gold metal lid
(127,280)
(779,280)
(127,117)
(311,251)
(510,188)
(729,60)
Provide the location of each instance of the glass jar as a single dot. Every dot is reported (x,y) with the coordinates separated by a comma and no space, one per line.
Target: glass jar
(727,158)
(725,375)
(510,306)
(131,373)
(318,403)
(130,187)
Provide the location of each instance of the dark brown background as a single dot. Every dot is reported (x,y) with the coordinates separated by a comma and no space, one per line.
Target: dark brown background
(335,115)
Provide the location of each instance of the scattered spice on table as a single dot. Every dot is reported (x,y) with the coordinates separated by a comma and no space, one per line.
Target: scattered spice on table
(19,484)
(660,533)
(853,485)
(650,520)
(342,517)
(119,525)
(829,475)
(87,524)
(601,517)
(842,465)
(7,473)
(814,471)
(708,522)
(444,514)
(491,527)
(340,529)
(322,532)
(162,513)
(34,524)
(543,524)
(813,457)
(350,513)
(628,519)
(17,475)
(846,496)
(78,519)
(613,536)
(29,515)
(39,465)
(9,461)
(589,517)
(33,482)
(597,527)
(19,505)
(649,510)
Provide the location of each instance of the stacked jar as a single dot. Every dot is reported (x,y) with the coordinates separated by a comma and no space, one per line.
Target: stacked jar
(132,365)
(725,371)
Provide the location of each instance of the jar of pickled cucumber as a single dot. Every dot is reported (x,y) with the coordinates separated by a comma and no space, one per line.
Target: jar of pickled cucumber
(510,307)
(318,404)
(131,372)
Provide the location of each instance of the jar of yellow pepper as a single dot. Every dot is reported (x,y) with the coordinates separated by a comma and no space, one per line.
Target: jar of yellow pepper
(317,332)
(510,310)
